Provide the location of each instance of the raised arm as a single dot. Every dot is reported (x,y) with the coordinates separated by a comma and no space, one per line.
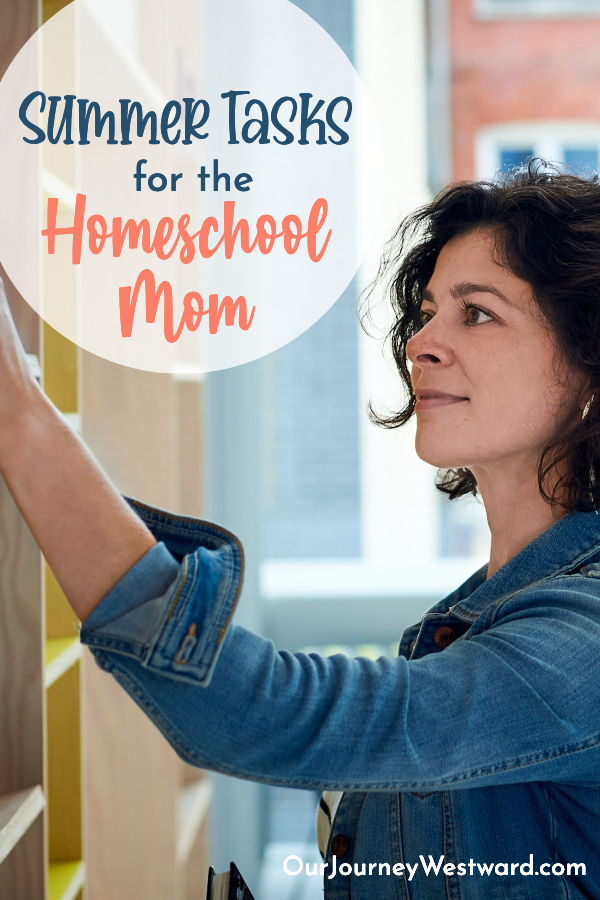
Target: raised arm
(227,699)
(85,529)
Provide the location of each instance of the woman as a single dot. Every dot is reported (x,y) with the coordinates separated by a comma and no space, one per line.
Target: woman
(479,745)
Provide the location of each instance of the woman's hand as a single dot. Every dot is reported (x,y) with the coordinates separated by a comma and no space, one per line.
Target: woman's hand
(85,529)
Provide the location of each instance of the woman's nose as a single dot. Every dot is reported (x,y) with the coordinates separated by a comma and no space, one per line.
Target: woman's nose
(427,346)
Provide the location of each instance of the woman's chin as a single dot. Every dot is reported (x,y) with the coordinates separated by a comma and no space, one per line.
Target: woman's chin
(441,458)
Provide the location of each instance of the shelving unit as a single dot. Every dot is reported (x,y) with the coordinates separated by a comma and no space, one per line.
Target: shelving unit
(23,711)
(156,419)
(18,811)
(94,803)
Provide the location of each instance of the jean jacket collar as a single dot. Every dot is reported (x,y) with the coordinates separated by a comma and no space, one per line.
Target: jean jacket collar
(563,547)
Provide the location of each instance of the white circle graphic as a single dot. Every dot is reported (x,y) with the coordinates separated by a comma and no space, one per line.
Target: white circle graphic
(199,223)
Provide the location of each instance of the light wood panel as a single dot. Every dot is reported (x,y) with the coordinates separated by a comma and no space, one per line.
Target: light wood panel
(132,785)
(22,691)
(128,421)
(18,811)
(21,662)
(143,833)
(195,876)
(193,807)
(18,21)
(22,710)
(23,875)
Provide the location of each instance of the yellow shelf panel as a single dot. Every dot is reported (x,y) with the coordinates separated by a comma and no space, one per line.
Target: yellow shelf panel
(49,7)
(61,654)
(61,621)
(65,879)
(64,766)
(60,358)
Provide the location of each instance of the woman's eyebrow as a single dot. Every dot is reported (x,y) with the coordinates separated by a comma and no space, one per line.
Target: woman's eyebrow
(463,288)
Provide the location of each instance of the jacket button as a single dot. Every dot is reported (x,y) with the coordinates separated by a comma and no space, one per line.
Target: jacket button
(339,845)
(444,636)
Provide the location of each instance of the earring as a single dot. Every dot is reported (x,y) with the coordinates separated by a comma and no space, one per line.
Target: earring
(587,407)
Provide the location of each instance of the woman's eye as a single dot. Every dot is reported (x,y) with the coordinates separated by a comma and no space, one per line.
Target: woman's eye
(468,309)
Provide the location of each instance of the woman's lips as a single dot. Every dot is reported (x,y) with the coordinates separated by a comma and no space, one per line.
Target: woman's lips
(431,402)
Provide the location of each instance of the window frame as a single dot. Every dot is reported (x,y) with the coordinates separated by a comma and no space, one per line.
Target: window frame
(535,9)
(544,136)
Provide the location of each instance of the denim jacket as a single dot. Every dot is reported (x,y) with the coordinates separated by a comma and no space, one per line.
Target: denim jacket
(479,744)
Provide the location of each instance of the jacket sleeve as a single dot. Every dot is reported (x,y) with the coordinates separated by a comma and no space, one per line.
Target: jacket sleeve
(517,702)
(170,612)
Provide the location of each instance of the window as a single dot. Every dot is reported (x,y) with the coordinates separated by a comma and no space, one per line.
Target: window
(573,146)
(310,414)
(582,160)
(496,9)
(514,156)
(310,437)
(337,520)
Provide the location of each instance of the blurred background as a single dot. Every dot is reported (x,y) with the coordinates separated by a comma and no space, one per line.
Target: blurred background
(347,540)
(354,541)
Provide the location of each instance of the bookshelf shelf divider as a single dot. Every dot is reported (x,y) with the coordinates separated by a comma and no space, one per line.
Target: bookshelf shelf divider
(18,810)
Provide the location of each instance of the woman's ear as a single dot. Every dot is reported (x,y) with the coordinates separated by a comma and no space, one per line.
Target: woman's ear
(587,397)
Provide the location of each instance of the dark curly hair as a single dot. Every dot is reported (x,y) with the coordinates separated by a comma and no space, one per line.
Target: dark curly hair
(546,227)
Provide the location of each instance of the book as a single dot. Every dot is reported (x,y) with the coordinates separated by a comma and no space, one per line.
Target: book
(227,885)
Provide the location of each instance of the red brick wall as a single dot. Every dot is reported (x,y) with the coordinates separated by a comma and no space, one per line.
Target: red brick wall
(513,70)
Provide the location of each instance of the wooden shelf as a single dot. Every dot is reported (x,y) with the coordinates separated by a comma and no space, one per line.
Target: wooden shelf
(193,805)
(71,729)
(61,654)
(65,879)
(18,810)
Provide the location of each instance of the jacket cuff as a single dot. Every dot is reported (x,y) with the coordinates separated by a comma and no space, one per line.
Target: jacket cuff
(150,577)
(172,609)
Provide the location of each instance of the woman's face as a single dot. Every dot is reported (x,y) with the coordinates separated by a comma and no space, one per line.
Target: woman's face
(500,357)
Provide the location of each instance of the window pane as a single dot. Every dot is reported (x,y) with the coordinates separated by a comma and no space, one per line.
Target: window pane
(544,4)
(311,441)
(514,156)
(583,160)
(538,8)
(310,416)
